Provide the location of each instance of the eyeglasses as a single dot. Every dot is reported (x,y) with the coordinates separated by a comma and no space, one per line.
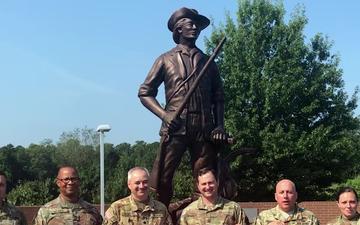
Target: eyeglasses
(67,180)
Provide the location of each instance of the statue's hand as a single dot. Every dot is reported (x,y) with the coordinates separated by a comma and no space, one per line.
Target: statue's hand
(219,136)
(173,123)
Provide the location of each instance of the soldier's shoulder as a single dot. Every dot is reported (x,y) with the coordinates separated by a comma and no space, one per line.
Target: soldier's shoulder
(192,206)
(52,204)
(124,202)
(334,221)
(306,212)
(230,203)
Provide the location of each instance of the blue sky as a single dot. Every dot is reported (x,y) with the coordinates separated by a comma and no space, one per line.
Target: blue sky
(74,64)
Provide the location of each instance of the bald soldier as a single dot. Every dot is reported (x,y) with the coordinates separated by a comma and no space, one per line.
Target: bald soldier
(9,214)
(287,211)
(68,208)
(139,207)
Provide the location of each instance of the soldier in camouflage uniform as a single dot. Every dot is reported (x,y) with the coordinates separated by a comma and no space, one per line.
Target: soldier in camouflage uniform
(9,214)
(139,207)
(210,208)
(68,208)
(287,211)
(347,201)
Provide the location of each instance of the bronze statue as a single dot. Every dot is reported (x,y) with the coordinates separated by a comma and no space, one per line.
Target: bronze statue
(199,125)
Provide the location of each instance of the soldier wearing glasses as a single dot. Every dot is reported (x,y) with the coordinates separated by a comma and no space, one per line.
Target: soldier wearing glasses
(68,208)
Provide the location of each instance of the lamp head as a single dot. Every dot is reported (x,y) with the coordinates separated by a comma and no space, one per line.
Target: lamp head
(103,128)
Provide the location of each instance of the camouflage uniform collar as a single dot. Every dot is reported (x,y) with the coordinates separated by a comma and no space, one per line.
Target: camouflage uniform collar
(148,207)
(285,214)
(355,218)
(218,204)
(67,204)
(296,215)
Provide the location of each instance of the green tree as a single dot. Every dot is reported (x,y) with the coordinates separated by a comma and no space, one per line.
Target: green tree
(116,176)
(33,192)
(14,162)
(41,160)
(286,98)
(85,136)
(333,189)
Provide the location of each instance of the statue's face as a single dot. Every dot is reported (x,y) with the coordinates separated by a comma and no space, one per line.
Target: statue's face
(189,29)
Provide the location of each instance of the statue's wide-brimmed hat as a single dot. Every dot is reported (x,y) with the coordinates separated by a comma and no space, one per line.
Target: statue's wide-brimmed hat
(201,21)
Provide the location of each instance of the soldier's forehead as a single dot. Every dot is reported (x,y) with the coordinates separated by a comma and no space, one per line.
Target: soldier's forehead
(66,171)
(139,175)
(285,185)
(135,179)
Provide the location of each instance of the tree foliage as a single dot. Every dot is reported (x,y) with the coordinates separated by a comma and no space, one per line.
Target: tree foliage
(285,97)
(33,192)
(334,188)
(31,171)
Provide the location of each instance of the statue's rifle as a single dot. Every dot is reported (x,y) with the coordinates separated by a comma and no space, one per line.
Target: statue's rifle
(188,95)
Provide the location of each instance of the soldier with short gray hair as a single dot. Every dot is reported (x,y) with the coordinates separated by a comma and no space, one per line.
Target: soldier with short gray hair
(139,207)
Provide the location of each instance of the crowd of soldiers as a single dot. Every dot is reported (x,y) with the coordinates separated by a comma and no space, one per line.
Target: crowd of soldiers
(140,208)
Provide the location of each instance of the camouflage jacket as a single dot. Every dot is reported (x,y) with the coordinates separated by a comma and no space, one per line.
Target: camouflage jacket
(223,212)
(10,215)
(126,211)
(58,211)
(340,220)
(300,216)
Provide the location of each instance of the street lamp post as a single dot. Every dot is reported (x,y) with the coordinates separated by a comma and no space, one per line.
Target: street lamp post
(102,129)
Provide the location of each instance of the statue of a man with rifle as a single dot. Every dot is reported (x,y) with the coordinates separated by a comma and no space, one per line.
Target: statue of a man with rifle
(193,118)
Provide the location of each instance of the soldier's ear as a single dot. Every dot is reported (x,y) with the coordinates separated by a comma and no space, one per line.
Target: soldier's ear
(56,182)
